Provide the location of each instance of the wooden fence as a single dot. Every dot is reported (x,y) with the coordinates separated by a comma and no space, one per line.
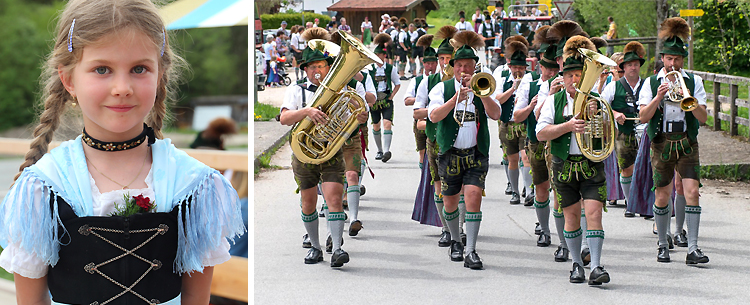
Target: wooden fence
(734,102)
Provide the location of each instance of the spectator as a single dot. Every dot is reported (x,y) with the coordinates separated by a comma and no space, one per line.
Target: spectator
(297,45)
(477,19)
(213,136)
(385,24)
(611,34)
(344,27)
(317,23)
(268,52)
(283,28)
(333,24)
(366,31)
(281,43)
(309,25)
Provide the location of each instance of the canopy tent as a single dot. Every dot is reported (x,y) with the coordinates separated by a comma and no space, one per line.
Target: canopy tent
(185,14)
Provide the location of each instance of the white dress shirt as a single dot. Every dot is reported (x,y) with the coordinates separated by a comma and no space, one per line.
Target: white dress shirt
(293,96)
(464,26)
(380,71)
(422,99)
(467,134)
(672,111)
(547,117)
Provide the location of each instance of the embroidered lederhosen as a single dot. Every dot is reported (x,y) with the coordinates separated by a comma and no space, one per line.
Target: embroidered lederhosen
(115,260)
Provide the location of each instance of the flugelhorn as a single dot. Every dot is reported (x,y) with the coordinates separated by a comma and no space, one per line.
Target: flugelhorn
(598,139)
(678,92)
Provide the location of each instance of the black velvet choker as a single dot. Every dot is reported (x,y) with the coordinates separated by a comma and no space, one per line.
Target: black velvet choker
(120,146)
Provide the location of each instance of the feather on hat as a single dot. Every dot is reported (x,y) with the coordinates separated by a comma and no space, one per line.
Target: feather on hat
(575,43)
(425,40)
(562,29)
(382,38)
(636,47)
(316,33)
(517,38)
(446,32)
(598,42)
(515,46)
(674,26)
(468,38)
(541,36)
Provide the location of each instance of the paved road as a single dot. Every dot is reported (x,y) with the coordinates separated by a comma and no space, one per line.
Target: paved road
(396,260)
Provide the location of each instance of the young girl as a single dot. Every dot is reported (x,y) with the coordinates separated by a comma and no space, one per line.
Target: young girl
(112,60)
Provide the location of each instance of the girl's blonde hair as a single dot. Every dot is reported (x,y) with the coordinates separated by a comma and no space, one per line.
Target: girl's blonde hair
(95,19)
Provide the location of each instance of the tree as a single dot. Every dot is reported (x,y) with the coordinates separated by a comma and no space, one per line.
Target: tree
(722,36)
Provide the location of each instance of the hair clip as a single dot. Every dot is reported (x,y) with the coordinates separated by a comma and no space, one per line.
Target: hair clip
(163,42)
(70,36)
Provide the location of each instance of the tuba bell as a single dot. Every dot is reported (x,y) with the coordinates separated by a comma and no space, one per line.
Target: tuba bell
(598,139)
(315,144)
(678,93)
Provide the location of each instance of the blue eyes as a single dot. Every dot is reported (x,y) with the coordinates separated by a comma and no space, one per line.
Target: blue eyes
(136,70)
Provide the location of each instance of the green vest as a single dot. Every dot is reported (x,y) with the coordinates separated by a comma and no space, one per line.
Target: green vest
(619,103)
(431,129)
(507,107)
(447,128)
(656,123)
(560,147)
(388,71)
(485,33)
(531,119)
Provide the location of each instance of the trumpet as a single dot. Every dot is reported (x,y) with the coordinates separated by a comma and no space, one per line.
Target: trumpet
(678,92)
(482,84)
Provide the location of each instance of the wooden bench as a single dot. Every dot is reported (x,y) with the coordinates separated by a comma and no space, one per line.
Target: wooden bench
(230,279)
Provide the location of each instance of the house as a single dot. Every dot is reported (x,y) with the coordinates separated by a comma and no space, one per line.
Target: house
(355,10)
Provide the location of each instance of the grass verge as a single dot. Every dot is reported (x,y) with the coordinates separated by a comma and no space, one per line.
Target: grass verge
(264,160)
(727,172)
(263,112)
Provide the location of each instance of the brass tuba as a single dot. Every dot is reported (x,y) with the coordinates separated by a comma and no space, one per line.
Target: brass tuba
(678,93)
(598,139)
(315,144)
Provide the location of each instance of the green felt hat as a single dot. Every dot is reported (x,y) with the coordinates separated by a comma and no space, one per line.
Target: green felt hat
(464,52)
(445,47)
(674,46)
(561,46)
(518,59)
(631,56)
(310,55)
(430,54)
(381,49)
(572,63)
(548,60)
(543,47)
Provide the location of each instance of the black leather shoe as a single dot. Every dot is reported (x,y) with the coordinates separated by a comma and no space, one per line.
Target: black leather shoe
(629,214)
(656,232)
(345,204)
(523,192)
(663,255)
(611,202)
(528,200)
(647,217)
(386,156)
(577,275)
(306,241)
(339,258)
(538,229)
(544,240)
(514,199)
(473,261)
(457,251)
(314,256)
(562,254)
(696,257)
(586,256)
(329,244)
(669,242)
(362,190)
(354,228)
(463,239)
(681,239)
(508,190)
(379,155)
(445,239)
(598,276)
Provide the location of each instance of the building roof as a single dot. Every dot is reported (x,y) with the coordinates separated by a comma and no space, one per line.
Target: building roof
(382,5)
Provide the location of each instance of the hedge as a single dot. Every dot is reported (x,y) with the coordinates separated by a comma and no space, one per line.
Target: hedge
(274,21)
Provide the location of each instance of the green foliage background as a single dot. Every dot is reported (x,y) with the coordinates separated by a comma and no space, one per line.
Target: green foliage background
(218,58)
(273,21)
(723,37)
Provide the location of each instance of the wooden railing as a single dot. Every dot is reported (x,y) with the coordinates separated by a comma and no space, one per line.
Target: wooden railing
(733,100)
(217,159)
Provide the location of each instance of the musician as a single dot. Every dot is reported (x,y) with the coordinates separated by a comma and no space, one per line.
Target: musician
(430,66)
(526,100)
(403,47)
(464,150)
(558,34)
(444,55)
(622,95)
(295,108)
(513,135)
(488,32)
(574,176)
(388,84)
(674,138)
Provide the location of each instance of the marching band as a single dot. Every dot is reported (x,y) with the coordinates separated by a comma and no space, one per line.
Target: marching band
(562,122)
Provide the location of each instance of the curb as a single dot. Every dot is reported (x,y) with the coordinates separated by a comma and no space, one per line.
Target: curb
(274,146)
(7,286)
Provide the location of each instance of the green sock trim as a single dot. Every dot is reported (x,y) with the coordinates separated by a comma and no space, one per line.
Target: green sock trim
(387,131)
(310,217)
(595,233)
(626,180)
(461,199)
(574,234)
(325,206)
(541,205)
(437,198)
(662,211)
(450,216)
(376,132)
(334,216)
(353,189)
(473,216)
(693,209)
(557,214)
(583,213)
